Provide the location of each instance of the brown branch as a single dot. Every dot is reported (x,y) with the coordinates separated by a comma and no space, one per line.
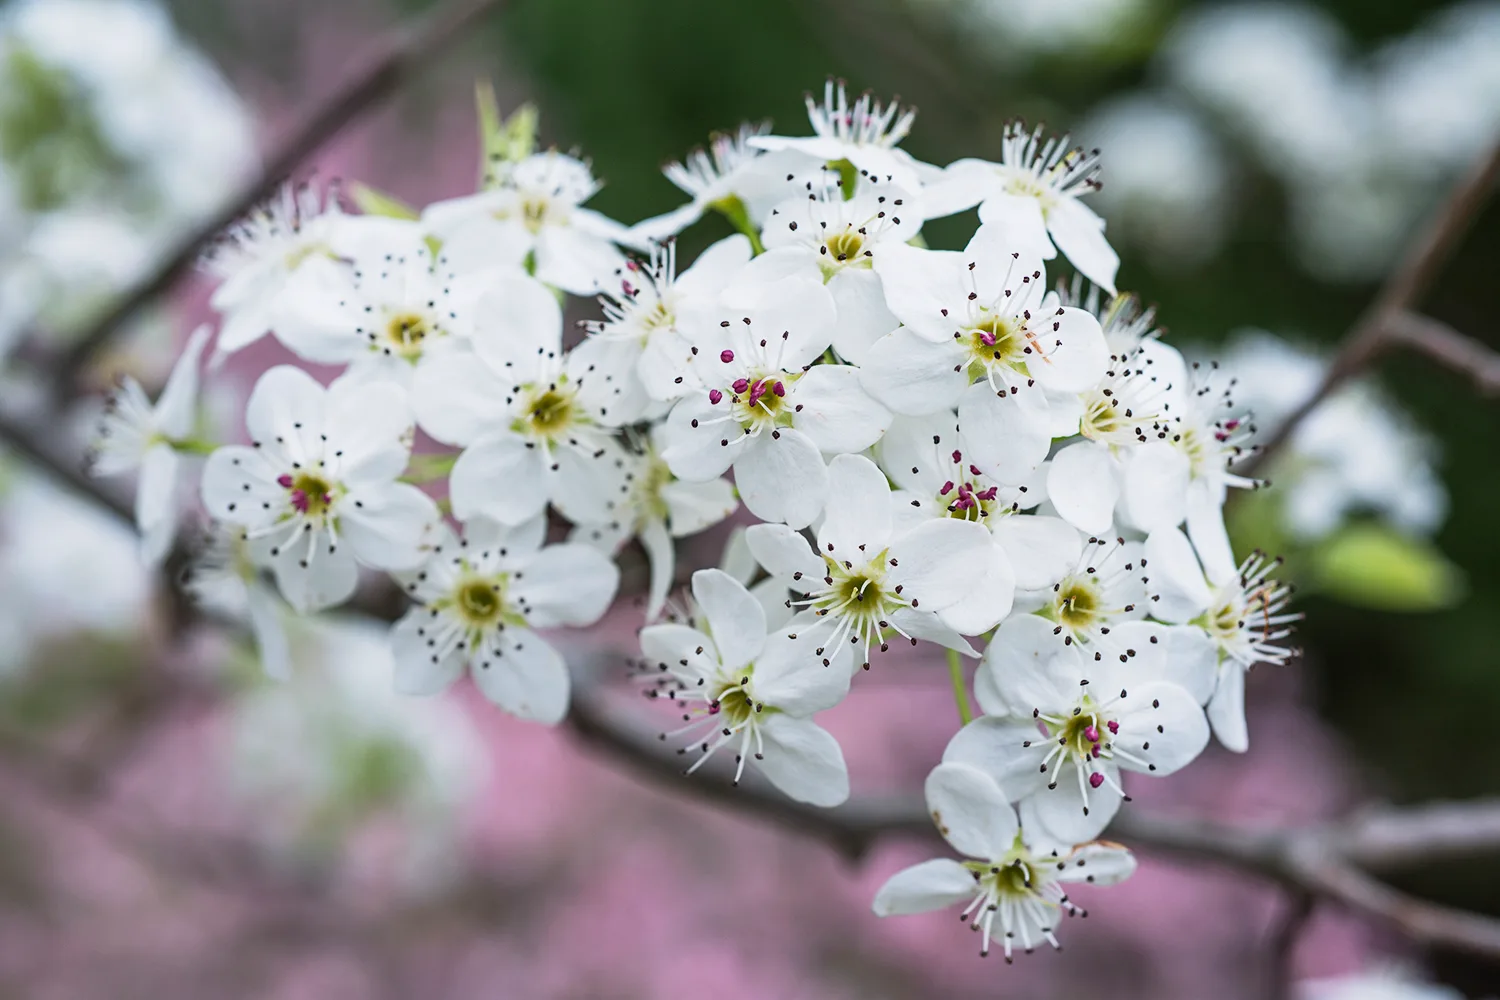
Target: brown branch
(400,58)
(1401,293)
(1282,946)
(1447,347)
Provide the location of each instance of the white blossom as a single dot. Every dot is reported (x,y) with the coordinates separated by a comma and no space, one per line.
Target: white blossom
(481,596)
(755,692)
(866,583)
(316,488)
(1015,890)
(1061,725)
(135,435)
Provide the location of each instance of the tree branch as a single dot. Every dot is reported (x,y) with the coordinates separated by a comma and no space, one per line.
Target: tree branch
(1447,347)
(1402,290)
(400,58)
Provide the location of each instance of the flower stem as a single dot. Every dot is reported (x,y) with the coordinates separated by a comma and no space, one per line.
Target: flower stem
(960,693)
(739,217)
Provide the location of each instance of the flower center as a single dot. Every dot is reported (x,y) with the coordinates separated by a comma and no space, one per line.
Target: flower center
(1028,185)
(967,502)
(1086,735)
(1101,418)
(860,601)
(1076,603)
(761,402)
(549,412)
(479,601)
(997,341)
(845,248)
(311,495)
(404,334)
(733,702)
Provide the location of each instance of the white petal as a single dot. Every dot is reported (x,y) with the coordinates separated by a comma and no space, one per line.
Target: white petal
(1042,549)
(928,627)
(282,398)
(661,554)
(1205,526)
(789,675)
(970,811)
(567,585)
(692,507)
(677,647)
(418,670)
(156,502)
(1098,864)
(1226,710)
(585,479)
(328,579)
(782,478)
(269,632)
(1079,234)
(518,328)
(576,261)
(931,885)
(1192,659)
(935,562)
(995,745)
(458,399)
(499,477)
(963,184)
(863,317)
(858,516)
(836,412)
(804,761)
(370,424)
(785,554)
(912,375)
(386,530)
(1075,355)
(1164,727)
(984,606)
(1000,434)
(177,406)
(1178,591)
(920,286)
(526,677)
(735,619)
(1060,812)
(1156,486)
(226,474)
(1019,668)
(698,447)
(1082,485)
(1020,218)
(659,227)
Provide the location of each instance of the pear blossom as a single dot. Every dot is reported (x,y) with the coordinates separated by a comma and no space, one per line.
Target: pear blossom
(921,458)
(392,308)
(824,236)
(865,582)
(731,176)
(316,488)
(1061,725)
(1242,609)
(1034,192)
(982,334)
(652,320)
(524,411)
(767,410)
(864,134)
(480,596)
(740,687)
(534,218)
(135,435)
(257,258)
(657,508)
(1015,889)
(224,578)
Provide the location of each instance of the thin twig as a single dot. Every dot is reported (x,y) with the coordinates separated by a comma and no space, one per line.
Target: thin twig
(1448,347)
(1401,293)
(406,53)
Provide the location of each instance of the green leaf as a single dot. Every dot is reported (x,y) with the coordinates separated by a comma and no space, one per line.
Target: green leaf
(373,202)
(508,140)
(1376,566)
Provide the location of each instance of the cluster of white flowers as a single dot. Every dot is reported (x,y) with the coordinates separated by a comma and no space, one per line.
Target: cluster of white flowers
(115,135)
(935,445)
